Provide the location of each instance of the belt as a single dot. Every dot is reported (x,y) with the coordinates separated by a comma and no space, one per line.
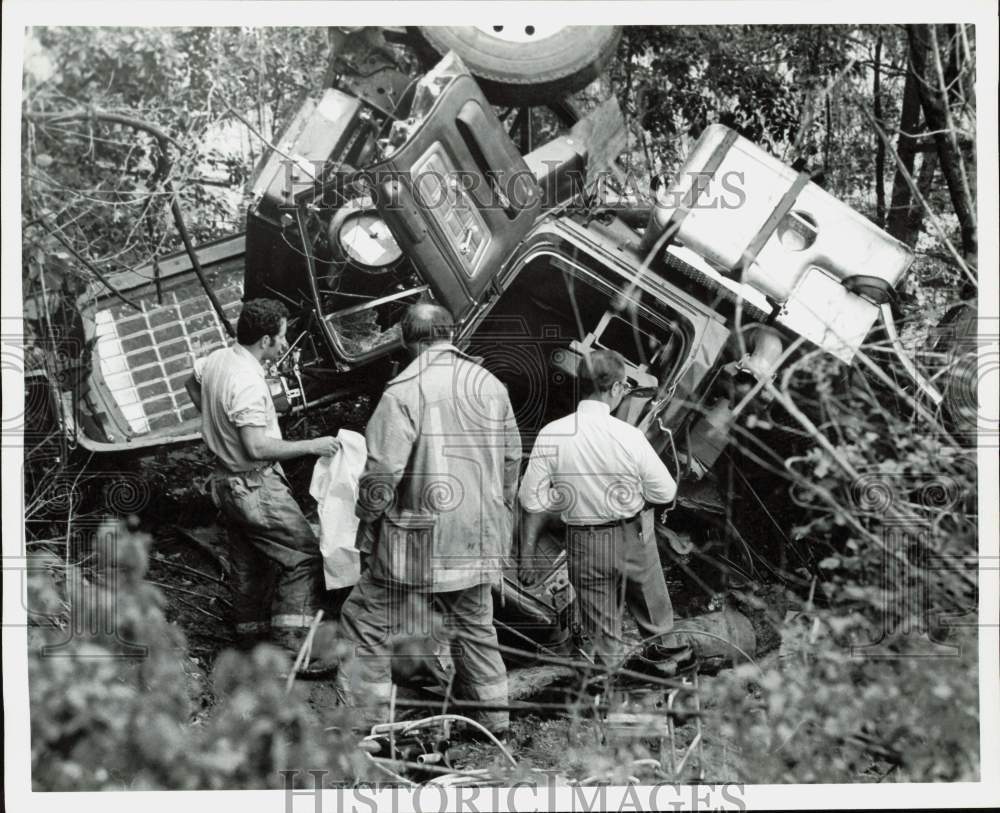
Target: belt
(224,471)
(614,523)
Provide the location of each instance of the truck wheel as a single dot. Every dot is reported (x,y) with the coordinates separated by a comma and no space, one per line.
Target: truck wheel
(527,65)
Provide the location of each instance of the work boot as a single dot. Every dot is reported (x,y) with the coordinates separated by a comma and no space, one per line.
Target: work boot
(665,661)
(319,665)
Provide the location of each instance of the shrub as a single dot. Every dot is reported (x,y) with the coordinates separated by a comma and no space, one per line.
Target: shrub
(873,679)
(112,688)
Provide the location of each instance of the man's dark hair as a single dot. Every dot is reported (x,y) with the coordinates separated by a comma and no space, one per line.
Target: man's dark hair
(599,370)
(426,322)
(259,317)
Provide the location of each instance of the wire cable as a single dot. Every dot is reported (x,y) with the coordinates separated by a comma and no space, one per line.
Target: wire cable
(468,720)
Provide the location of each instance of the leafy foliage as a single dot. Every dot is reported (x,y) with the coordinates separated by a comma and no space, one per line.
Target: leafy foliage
(825,716)
(113,692)
(878,660)
(103,184)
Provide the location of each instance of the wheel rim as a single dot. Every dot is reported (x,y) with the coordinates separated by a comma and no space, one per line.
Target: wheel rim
(520,33)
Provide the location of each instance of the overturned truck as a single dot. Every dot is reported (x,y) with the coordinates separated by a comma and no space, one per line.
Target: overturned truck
(389,187)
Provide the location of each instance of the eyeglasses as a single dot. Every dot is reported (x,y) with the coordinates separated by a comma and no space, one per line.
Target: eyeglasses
(627,386)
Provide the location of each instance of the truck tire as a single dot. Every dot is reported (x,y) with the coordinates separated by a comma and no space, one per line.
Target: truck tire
(525,65)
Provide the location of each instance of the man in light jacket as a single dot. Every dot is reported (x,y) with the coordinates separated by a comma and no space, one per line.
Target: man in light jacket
(436,504)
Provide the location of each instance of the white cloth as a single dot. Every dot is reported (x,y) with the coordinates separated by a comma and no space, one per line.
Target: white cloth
(334,486)
(594,468)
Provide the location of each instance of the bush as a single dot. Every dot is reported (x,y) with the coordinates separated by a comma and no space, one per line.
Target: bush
(872,680)
(112,691)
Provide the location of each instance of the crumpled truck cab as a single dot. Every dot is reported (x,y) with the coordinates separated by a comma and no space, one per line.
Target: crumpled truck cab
(714,288)
(359,212)
(356,214)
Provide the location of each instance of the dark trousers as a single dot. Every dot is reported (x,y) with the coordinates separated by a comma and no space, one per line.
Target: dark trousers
(378,613)
(612,568)
(277,573)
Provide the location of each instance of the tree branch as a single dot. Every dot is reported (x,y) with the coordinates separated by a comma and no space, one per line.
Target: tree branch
(938,227)
(950,126)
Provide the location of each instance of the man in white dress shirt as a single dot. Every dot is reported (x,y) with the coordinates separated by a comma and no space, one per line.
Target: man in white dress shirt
(598,473)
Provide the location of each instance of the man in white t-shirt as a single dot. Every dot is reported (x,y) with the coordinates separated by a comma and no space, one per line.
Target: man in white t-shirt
(598,474)
(273,546)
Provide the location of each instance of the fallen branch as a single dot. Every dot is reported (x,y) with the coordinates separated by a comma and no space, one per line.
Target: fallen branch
(56,232)
(163,140)
(305,651)
(194,571)
(201,610)
(177,589)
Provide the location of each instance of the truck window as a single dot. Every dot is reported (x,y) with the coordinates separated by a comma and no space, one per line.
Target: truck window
(372,325)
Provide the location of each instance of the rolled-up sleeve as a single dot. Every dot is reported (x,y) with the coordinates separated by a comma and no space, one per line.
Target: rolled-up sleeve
(248,405)
(658,486)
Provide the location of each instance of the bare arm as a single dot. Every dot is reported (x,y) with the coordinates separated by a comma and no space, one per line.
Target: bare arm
(532,526)
(259,446)
(537,504)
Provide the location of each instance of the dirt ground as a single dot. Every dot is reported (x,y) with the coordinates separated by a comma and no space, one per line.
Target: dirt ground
(189,566)
(189,563)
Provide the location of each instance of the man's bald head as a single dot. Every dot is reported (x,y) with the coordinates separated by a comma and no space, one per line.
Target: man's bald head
(426,323)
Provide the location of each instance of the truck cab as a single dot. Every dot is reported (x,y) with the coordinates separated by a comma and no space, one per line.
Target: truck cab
(360,210)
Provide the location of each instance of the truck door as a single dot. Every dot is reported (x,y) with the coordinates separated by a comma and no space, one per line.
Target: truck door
(454,190)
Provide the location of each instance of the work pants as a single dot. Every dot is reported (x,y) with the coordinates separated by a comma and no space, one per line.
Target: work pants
(612,567)
(378,613)
(277,575)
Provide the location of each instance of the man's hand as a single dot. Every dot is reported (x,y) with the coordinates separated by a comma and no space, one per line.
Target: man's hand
(325,445)
(531,528)
(364,539)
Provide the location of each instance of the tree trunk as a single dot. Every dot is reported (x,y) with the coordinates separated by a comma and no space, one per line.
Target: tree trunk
(958,80)
(933,102)
(925,177)
(906,149)
(879,143)
(335,39)
(828,145)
